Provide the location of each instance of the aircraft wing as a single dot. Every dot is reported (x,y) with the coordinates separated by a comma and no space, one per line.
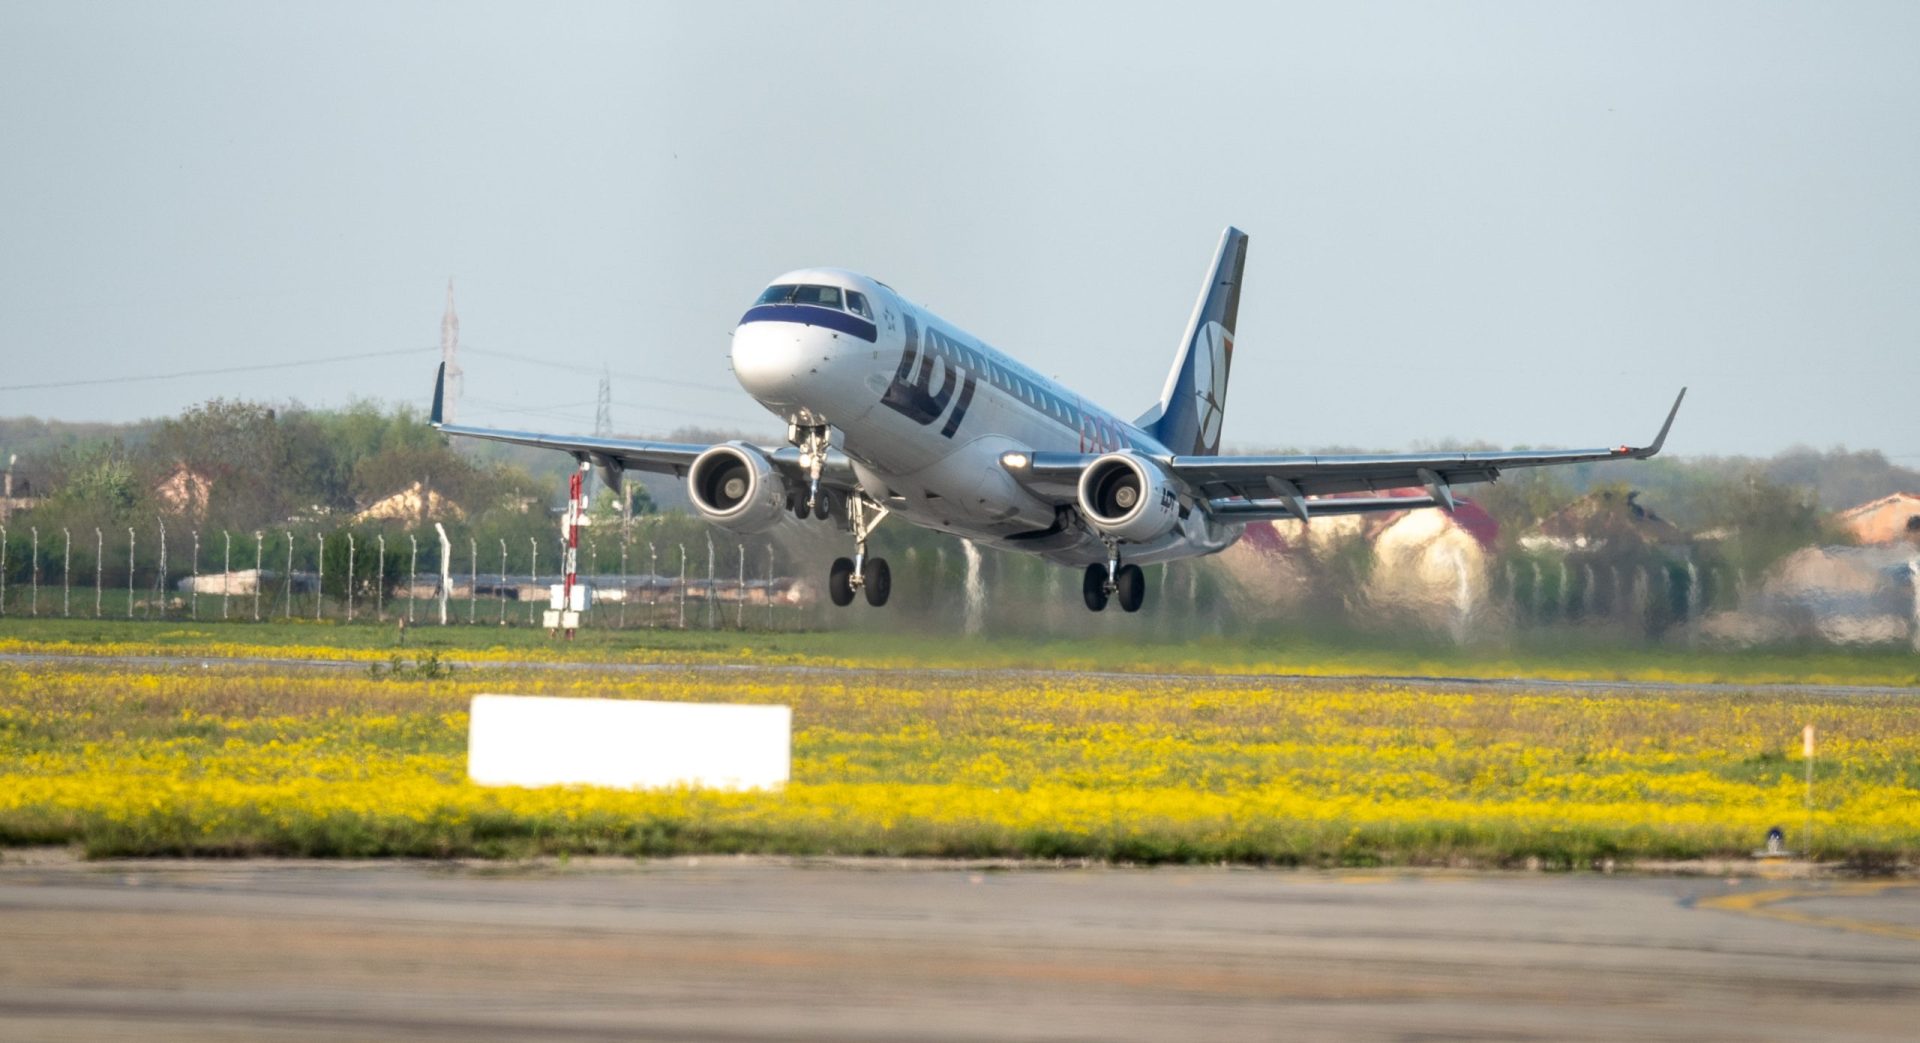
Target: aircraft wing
(1252,488)
(614,455)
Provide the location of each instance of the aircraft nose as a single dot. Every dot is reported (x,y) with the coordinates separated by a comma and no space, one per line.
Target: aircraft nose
(775,361)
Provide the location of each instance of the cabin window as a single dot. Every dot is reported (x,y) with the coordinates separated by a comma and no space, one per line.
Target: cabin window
(857,304)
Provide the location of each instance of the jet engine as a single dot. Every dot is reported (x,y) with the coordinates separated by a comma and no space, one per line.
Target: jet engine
(1128,497)
(733,486)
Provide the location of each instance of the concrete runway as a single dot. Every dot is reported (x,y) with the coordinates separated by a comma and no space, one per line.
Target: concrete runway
(748,950)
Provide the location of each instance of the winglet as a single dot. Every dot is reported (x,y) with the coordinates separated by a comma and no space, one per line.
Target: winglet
(1661,438)
(440,397)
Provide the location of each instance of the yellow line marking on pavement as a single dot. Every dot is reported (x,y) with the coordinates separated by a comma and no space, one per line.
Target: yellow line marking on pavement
(1766,903)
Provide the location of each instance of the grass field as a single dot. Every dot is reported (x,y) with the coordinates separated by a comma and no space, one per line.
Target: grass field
(1559,656)
(127,760)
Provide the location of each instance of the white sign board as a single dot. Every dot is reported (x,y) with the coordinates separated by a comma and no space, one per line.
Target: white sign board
(518,740)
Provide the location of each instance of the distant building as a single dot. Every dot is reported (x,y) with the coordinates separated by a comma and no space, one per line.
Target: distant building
(1603,520)
(17,492)
(1890,519)
(415,503)
(184,492)
(1430,566)
(1840,595)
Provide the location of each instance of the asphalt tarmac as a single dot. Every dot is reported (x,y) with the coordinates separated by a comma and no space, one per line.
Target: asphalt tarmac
(747,950)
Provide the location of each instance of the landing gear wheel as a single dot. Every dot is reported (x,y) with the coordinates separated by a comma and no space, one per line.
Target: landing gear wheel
(876,580)
(840,582)
(1133,587)
(798,505)
(1095,587)
(822,507)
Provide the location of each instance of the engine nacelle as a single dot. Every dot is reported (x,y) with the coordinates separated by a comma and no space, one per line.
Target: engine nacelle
(1128,497)
(733,486)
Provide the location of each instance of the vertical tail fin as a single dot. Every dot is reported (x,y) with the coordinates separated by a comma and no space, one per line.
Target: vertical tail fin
(1187,417)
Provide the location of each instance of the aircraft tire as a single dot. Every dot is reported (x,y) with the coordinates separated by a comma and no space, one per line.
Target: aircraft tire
(798,506)
(1133,587)
(822,507)
(1094,587)
(840,582)
(876,581)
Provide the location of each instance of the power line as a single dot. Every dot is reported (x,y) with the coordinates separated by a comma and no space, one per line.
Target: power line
(575,368)
(218,371)
(556,411)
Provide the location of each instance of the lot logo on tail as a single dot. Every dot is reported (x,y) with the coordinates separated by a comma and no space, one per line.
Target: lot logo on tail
(1212,354)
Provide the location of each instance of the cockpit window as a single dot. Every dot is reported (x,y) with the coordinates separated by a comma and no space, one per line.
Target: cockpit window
(817,296)
(822,296)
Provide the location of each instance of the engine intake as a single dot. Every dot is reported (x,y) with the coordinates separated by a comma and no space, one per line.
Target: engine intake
(733,486)
(1128,497)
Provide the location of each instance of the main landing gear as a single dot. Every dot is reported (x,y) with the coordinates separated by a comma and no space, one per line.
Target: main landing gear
(1111,580)
(870,576)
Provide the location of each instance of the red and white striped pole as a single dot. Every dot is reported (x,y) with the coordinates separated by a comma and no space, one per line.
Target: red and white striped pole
(576,511)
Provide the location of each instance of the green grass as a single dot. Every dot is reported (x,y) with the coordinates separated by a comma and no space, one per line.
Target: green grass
(1559,656)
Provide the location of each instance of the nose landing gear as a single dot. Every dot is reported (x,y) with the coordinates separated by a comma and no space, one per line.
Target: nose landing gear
(813,443)
(869,576)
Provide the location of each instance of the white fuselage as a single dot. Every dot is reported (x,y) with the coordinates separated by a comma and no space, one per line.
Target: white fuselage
(925,412)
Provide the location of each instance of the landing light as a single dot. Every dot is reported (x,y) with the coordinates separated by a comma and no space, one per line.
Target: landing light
(1015,460)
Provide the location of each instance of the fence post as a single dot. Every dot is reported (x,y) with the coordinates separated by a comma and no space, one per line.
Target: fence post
(66,569)
(413,574)
(259,570)
(319,574)
(289,576)
(380,575)
(625,591)
(193,575)
(533,572)
(446,571)
(473,577)
(769,588)
(349,577)
(33,571)
(709,581)
(502,593)
(683,586)
(740,593)
(3,570)
(653,575)
(99,567)
(160,576)
(130,542)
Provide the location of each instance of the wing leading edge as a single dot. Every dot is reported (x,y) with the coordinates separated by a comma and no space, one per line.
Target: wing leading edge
(614,455)
(1251,488)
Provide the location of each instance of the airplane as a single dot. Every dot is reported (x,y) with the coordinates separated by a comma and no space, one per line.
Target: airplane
(892,410)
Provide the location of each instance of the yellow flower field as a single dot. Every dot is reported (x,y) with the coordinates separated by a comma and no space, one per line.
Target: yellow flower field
(127,760)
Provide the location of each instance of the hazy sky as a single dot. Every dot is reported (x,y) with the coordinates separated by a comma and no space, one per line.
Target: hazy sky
(1516,223)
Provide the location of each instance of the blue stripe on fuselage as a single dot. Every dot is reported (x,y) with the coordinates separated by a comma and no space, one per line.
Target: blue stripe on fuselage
(813,315)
